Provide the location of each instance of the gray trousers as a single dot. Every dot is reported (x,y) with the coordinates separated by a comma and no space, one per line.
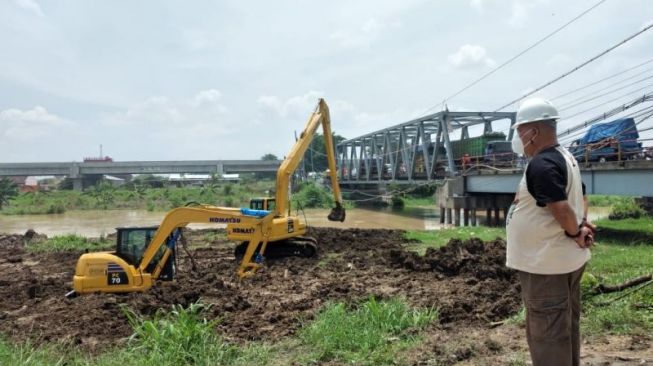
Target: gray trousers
(552,317)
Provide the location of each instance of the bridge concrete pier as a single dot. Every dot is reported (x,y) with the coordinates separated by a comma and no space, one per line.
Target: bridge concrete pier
(458,207)
(78,184)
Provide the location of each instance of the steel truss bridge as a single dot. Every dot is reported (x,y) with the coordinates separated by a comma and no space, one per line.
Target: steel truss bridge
(411,151)
(415,152)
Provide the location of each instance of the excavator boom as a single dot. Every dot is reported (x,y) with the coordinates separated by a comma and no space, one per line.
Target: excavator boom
(294,157)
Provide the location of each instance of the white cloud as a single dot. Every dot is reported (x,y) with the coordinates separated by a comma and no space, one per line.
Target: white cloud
(293,106)
(518,14)
(364,36)
(210,97)
(195,127)
(35,135)
(478,5)
(520,11)
(469,56)
(16,124)
(30,5)
(204,109)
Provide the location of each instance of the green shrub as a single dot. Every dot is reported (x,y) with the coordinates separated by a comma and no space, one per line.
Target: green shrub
(69,242)
(56,208)
(625,210)
(310,195)
(150,205)
(175,201)
(602,200)
(397,201)
(227,189)
(587,285)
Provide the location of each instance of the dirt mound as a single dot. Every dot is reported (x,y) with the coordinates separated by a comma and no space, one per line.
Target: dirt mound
(472,257)
(466,281)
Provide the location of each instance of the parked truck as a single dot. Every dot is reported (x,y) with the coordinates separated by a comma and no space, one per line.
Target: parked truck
(474,146)
(615,140)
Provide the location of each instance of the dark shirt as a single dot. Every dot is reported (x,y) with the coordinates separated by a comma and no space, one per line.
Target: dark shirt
(546,177)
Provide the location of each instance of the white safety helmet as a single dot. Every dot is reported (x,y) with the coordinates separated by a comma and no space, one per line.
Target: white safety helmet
(535,109)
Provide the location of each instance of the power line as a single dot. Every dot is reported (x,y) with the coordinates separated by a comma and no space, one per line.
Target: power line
(577,67)
(609,101)
(517,55)
(576,102)
(607,78)
(614,111)
(635,115)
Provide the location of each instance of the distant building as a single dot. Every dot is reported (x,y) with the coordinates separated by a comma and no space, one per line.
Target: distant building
(36,183)
(115,181)
(200,179)
(100,159)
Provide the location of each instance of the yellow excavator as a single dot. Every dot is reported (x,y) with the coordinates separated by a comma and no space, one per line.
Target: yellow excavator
(145,255)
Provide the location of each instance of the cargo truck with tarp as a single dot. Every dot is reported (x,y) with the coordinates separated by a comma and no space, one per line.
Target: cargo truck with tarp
(615,140)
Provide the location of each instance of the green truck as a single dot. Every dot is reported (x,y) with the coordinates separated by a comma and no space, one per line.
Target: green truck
(474,146)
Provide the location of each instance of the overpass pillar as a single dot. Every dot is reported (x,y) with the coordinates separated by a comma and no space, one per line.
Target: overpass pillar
(76,177)
(78,184)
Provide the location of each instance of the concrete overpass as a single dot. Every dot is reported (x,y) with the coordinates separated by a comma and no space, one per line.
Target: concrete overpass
(494,190)
(627,178)
(78,170)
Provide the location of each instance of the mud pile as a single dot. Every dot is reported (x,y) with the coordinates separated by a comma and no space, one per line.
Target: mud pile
(466,281)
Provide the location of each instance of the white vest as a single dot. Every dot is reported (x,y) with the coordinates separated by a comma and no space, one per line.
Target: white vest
(536,241)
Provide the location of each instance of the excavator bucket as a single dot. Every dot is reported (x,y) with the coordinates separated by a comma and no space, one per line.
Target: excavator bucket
(337,213)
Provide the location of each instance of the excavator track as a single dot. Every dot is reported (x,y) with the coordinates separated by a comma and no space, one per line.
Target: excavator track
(301,246)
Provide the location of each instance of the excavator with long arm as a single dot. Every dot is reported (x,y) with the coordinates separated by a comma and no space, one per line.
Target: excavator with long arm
(146,255)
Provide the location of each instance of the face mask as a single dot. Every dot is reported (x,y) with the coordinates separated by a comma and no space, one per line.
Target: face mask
(517,145)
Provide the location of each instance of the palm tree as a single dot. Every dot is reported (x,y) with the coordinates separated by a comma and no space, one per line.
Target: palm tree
(8,190)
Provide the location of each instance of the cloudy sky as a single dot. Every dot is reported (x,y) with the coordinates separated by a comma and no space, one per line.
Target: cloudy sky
(163,80)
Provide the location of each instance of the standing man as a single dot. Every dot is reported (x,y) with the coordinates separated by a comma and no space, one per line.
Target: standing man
(548,236)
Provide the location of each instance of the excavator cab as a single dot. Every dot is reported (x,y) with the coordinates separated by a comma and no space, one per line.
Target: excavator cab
(264,203)
(131,245)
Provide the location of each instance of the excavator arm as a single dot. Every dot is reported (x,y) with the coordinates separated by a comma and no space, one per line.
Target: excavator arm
(289,165)
(180,217)
(94,271)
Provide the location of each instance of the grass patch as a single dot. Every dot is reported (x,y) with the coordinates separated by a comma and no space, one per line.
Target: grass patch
(70,242)
(183,337)
(178,337)
(627,231)
(614,263)
(602,200)
(371,334)
(107,197)
(438,238)
(418,201)
(27,354)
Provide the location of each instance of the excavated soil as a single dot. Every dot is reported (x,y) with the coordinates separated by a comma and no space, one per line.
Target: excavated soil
(466,281)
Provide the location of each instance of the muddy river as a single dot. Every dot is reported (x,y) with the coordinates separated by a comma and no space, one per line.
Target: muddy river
(102,222)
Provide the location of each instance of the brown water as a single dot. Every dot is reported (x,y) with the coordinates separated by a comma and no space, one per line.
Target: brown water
(102,222)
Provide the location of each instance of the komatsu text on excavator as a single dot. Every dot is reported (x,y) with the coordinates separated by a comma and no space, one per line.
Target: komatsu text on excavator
(145,255)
